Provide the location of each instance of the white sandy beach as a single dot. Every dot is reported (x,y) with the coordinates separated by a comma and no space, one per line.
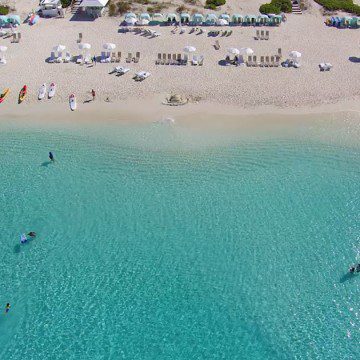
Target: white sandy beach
(243,87)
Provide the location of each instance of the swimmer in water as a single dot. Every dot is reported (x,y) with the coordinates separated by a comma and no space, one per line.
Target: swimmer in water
(7,308)
(32,234)
(51,156)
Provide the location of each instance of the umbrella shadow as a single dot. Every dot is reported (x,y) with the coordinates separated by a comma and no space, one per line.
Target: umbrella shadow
(354,59)
(223,63)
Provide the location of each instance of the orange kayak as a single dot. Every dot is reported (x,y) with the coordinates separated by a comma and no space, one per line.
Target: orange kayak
(4,95)
(22,94)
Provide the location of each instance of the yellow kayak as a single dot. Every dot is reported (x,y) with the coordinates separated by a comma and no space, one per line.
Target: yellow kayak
(4,94)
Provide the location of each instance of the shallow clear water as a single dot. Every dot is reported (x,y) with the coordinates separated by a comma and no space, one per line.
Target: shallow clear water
(155,244)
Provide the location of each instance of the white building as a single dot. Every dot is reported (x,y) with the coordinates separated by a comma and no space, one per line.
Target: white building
(93,8)
(50,8)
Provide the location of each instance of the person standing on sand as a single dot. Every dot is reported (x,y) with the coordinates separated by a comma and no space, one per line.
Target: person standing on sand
(93,94)
(94,60)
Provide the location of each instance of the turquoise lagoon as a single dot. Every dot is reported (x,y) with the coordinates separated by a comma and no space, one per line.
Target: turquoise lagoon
(162,242)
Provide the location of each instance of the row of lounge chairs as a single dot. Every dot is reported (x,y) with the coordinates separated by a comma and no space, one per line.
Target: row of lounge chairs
(262,35)
(221,33)
(59,58)
(265,61)
(116,58)
(177,59)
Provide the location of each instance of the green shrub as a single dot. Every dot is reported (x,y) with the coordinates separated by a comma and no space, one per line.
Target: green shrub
(276,7)
(65,3)
(4,10)
(214,4)
(123,7)
(344,5)
(112,9)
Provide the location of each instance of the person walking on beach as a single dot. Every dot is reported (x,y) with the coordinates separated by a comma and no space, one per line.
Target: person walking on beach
(51,156)
(94,60)
(7,308)
(93,94)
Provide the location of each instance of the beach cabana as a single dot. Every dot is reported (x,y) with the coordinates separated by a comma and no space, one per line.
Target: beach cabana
(144,16)
(211,19)
(222,22)
(275,20)
(250,19)
(50,8)
(130,15)
(262,20)
(237,19)
(3,20)
(14,19)
(185,18)
(94,8)
(345,21)
(157,19)
(197,19)
(354,22)
(130,21)
(225,17)
(171,18)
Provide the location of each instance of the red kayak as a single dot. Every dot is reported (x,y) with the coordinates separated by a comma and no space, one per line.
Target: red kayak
(22,94)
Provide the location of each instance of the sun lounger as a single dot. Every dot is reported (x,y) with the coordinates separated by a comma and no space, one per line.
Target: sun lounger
(88,59)
(79,59)
(174,60)
(194,60)
(249,61)
(79,40)
(257,36)
(254,61)
(67,57)
(201,60)
(185,59)
(52,57)
(129,58)
(267,61)
(262,61)
(137,57)
(158,60)
(279,53)
(59,58)
(168,60)
(217,45)
(118,57)
(272,61)
(229,33)
(277,61)
(113,57)
(266,37)
(120,70)
(178,59)
(262,35)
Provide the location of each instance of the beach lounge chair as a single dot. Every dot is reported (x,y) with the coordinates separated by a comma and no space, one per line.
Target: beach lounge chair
(174,60)
(201,60)
(277,61)
(18,37)
(119,70)
(79,40)
(52,57)
(13,38)
(129,58)
(168,60)
(185,59)
(254,61)
(262,61)
(79,59)
(262,35)
(118,57)
(279,53)
(87,59)
(267,61)
(194,60)
(59,58)
(142,75)
(163,59)
(257,36)
(158,60)
(113,57)
(67,57)
(249,61)
(217,45)
(266,37)
(229,33)
(137,57)
(178,59)
(272,61)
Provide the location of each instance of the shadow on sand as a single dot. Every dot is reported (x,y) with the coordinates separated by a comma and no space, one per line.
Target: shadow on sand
(354,59)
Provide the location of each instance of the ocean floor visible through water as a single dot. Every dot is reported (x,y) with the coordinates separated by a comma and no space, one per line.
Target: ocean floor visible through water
(162,241)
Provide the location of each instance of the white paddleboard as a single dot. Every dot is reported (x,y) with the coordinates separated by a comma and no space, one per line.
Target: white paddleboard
(72,102)
(42,91)
(52,90)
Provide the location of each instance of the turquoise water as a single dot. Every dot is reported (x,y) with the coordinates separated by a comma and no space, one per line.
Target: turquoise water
(157,244)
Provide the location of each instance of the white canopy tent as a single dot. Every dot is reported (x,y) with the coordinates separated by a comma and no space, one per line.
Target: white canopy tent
(94,8)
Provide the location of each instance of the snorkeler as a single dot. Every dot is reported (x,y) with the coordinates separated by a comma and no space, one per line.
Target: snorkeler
(32,234)
(51,156)
(352,269)
(7,308)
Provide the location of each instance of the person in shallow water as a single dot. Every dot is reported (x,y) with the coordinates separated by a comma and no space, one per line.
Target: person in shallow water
(7,308)
(51,156)
(32,234)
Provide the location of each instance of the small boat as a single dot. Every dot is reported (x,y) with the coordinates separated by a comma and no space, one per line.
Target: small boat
(72,102)
(22,94)
(52,90)
(42,92)
(4,95)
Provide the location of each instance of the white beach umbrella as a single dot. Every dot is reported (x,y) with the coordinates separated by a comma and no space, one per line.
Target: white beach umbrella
(3,48)
(109,46)
(59,48)
(246,51)
(222,22)
(234,51)
(295,54)
(84,46)
(130,21)
(189,49)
